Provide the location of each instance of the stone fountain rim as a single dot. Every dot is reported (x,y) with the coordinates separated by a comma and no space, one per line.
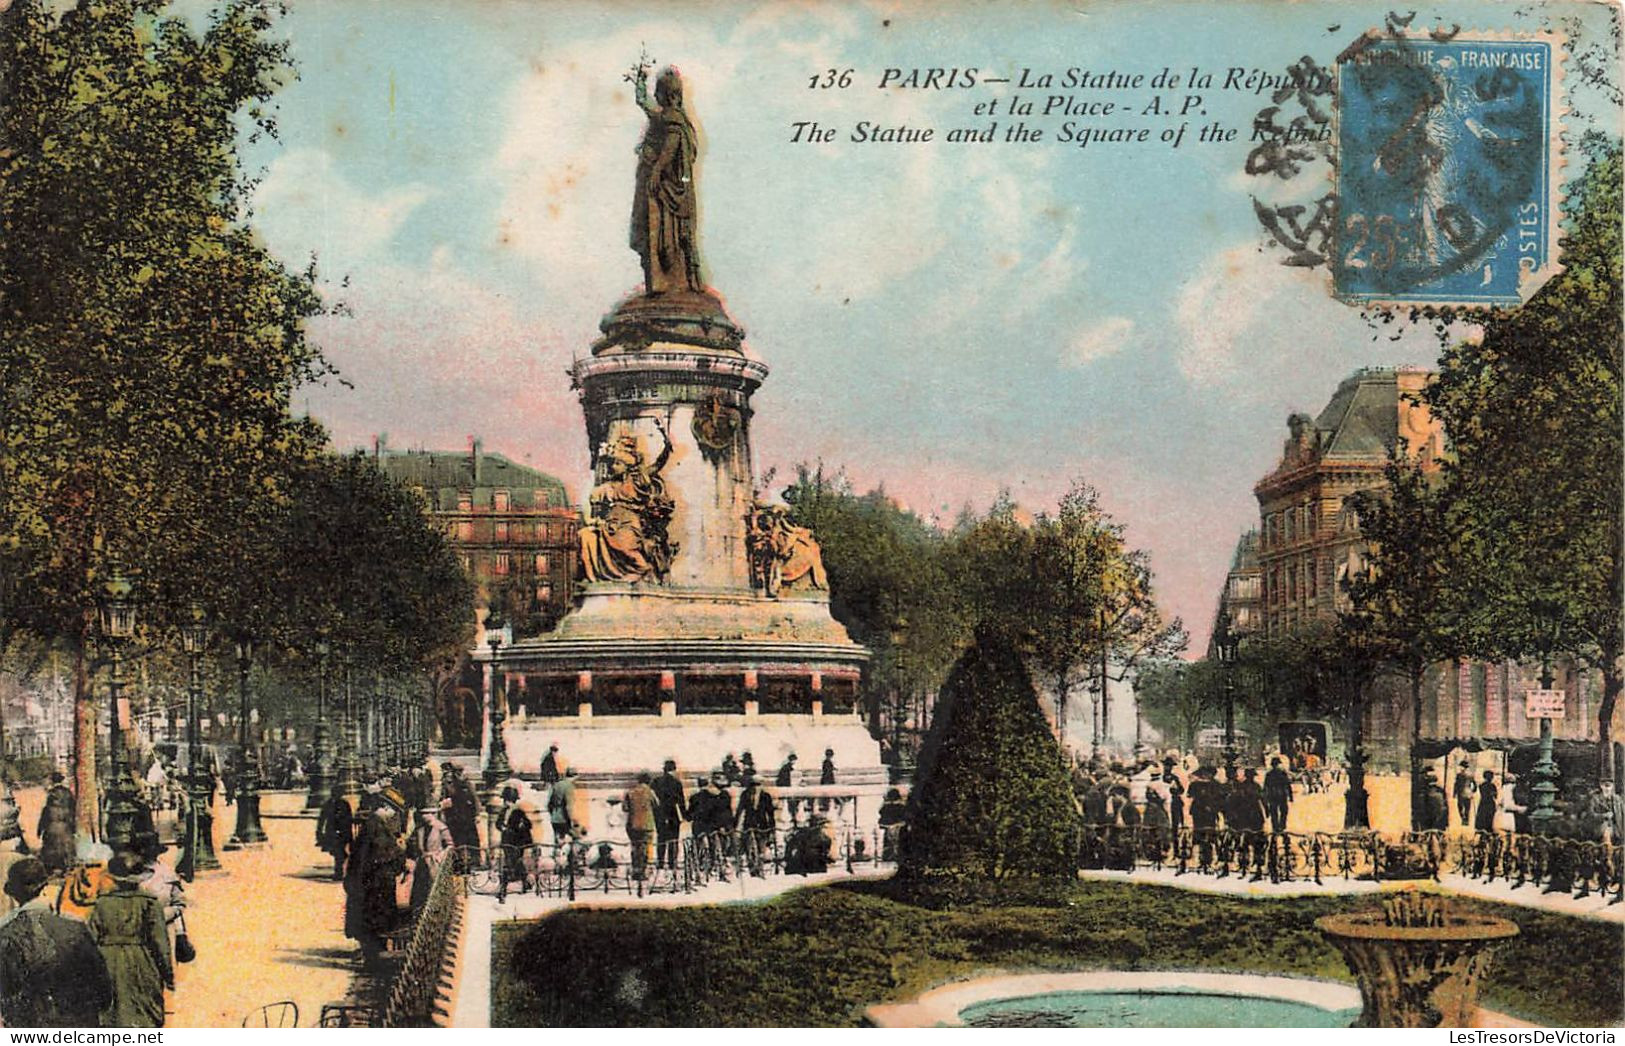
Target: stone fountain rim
(1371,926)
(941,1006)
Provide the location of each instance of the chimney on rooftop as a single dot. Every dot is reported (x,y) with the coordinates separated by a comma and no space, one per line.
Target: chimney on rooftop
(474,457)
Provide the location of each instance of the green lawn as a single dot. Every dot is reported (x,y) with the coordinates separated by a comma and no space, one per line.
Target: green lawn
(819,956)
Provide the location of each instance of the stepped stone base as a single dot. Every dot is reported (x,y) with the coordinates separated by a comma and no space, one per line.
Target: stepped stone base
(612,749)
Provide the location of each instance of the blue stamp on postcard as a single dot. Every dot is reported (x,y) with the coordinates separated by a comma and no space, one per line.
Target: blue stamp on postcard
(1447,179)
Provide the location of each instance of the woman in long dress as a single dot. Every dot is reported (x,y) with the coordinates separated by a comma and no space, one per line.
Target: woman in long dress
(128,927)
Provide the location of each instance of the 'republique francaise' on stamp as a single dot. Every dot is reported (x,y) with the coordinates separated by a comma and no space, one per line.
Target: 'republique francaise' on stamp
(1448,175)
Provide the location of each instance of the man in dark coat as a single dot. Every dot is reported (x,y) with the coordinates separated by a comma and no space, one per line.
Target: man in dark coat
(1244,813)
(787,779)
(376,862)
(826,774)
(1277,795)
(756,820)
(670,813)
(699,813)
(1435,804)
(1206,797)
(463,816)
(335,831)
(56,827)
(1154,827)
(717,826)
(517,835)
(1097,804)
(1488,800)
(52,975)
(549,771)
(893,812)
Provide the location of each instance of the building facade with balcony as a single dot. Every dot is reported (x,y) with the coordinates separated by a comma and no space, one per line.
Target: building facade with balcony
(1310,543)
(512,526)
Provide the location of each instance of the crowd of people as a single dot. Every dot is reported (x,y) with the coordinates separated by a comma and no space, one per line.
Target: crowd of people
(1502,803)
(731,813)
(1158,799)
(388,845)
(88,936)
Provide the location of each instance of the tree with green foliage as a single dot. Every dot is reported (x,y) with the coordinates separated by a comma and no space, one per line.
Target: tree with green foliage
(1178,698)
(367,569)
(1533,488)
(992,798)
(149,345)
(1404,598)
(890,584)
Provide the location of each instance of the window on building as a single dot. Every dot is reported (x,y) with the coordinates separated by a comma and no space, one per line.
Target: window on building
(541,562)
(465,530)
(544,593)
(468,564)
(502,530)
(1310,574)
(1291,525)
(541,498)
(465,501)
(501,568)
(499,500)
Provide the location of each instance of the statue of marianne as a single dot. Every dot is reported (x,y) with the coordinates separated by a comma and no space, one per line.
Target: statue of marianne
(663,203)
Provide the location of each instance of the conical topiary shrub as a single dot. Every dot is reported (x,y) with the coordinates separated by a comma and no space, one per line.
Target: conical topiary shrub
(991,798)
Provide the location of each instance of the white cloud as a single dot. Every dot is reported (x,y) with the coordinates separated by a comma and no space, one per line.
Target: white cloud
(1099,340)
(306,204)
(1240,295)
(782,222)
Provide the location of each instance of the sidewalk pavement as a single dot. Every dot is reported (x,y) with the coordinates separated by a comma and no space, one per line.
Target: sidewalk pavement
(1528,896)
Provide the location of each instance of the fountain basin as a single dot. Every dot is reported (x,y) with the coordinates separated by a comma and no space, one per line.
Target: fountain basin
(1417,976)
(1120,999)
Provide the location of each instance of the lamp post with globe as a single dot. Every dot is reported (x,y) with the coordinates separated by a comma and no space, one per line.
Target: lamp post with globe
(198,844)
(118,625)
(321,771)
(496,763)
(249,831)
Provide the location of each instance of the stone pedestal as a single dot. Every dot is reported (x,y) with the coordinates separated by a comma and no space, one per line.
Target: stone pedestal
(654,665)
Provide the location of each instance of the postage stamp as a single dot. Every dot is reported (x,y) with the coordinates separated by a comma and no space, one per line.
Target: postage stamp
(1447,149)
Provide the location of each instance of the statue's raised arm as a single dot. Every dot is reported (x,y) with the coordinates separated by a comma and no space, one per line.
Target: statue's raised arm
(664,201)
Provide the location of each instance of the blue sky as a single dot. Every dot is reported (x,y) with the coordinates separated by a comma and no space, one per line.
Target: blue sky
(945,319)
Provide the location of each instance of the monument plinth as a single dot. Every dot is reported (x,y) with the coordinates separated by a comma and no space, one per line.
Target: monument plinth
(703,623)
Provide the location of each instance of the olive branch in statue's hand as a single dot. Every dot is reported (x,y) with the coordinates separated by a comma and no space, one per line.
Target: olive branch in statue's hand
(639,73)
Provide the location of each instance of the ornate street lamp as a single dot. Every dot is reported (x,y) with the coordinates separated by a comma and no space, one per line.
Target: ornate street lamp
(375,764)
(496,764)
(248,833)
(1226,644)
(1550,616)
(197,854)
(118,625)
(321,770)
(349,780)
